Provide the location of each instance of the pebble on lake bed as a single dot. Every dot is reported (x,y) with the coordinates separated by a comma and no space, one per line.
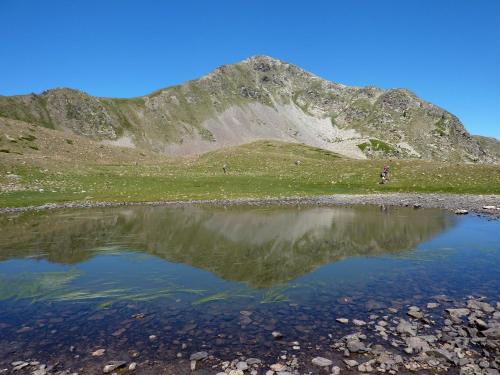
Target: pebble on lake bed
(98,353)
(351,362)
(278,367)
(358,322)
(253,361)
(242,365)
(113,365)
(277,335)
(198,356)
(321,362)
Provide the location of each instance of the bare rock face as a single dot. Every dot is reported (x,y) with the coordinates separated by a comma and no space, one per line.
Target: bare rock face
(262,98)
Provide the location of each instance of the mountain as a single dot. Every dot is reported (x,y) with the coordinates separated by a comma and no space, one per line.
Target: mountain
(260,98)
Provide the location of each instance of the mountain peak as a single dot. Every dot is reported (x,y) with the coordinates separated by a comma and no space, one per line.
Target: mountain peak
(258,98)
(263,58)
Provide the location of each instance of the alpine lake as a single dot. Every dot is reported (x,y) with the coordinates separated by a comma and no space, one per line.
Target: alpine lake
(247,289)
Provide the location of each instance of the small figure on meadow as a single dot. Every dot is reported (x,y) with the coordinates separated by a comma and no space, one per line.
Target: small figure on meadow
(384,175)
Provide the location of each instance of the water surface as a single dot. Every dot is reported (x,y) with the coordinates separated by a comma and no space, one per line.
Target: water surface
(222,279)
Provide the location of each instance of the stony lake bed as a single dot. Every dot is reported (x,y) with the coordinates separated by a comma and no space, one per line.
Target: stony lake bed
(249,289)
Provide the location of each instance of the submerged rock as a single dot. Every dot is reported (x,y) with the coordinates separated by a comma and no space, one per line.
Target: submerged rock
(112,366)
(351,362)
(321,362)
(277,335)
(458,313)
(416,344)
(198,356)
(479,305)
(415,313)
(356,346)
(19,365)
(358,322)
(405,327)
(493,332)
(278,367)
(442,353)
(98,352)
(366,367)
(242,365)
(253,361)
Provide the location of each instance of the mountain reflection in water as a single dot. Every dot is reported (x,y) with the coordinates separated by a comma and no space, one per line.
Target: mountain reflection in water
(261,247)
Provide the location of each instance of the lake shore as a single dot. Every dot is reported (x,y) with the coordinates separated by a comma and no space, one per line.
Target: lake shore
(444,336)
(488,205)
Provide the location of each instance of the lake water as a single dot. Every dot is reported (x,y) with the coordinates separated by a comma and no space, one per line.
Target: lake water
(222,279)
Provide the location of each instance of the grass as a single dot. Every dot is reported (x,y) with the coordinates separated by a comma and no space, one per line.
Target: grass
(377,145)
(257,170)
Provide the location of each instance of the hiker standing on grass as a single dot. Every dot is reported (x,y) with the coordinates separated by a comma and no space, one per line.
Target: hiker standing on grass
(386,170)
(224,168)
(384,175)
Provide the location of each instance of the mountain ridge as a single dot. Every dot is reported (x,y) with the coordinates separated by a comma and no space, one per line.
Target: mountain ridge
(260,98)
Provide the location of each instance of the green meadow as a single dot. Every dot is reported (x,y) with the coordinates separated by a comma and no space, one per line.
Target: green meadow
(257,170)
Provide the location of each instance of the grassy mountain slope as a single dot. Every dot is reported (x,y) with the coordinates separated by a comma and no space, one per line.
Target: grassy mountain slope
(39,165)
(35,146)
(259,98)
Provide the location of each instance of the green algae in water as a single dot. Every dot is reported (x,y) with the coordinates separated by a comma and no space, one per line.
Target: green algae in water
(214,297)
(221,296)
(113,296)
(36,286)
(276,294)
(60,287)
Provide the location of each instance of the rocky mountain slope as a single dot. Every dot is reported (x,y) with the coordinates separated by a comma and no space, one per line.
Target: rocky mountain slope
(259,98)
(489,144)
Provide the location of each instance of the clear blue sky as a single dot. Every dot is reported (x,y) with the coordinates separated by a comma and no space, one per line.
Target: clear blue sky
(447,51)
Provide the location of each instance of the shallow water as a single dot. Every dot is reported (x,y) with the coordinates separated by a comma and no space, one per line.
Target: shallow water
(222,279)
